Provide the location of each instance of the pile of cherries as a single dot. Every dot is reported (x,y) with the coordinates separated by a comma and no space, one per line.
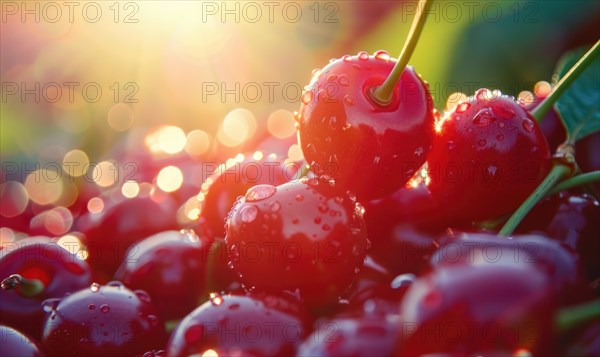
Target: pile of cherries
(367,248)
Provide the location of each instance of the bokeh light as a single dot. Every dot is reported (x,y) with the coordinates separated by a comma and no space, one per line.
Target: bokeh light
(238,126)
(13,199)
(130,189)
(44,186)
(281,124)
(167,139)
(197,142)
(75,163)
(169,179)
(106,173)
(73,245)
(120,117)
(95,205)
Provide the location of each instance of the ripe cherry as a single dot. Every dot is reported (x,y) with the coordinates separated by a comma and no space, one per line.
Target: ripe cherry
(572,219)
(233,178)
(464,309)
(257,324)
(35,269)
(353,336)
(109,233)
(170,266)
(369,148)
(17,344)
(489,155)
(108,320)
(299,237)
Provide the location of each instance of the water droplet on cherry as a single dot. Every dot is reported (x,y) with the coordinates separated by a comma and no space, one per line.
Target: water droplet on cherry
(260,192)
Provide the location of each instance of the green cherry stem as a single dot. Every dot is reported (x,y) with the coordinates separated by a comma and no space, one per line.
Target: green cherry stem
(541,110)
(558,172)
(383,93)
(579,180)
(28,287)
(571,317)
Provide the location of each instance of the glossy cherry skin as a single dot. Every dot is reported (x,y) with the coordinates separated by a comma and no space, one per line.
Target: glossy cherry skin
(256,324)
(572,219)
(464,309)
(17,344)
(59,270)
(352,336)
(557,262)
(111,232)
(102,320)
(368,148)
(299,237)
(171,267)
(233,178)
(488,156)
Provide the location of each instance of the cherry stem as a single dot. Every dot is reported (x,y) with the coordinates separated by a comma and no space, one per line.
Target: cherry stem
(383,93)
(571,317)
(579,180)
(28,287)
(557,173)
(565,82)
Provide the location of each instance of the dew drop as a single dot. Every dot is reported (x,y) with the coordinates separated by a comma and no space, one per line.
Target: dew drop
(318,220)
(297,116)
(451,145)
(483,94)
(343,80)
(527,124)
(299,197)
(356,66)
(419,151)
(363,56)
(216,299)
(142,295)
(500,137)
(153,320)
(376,160)
(91,307)
(315,72)
(83,340)
(323,208)
(326,227)
(504,112)
(234,307)
(462,107)
(248,213)
(95,287)
(333,122)
(481,142)
(348,100)
(501,125)
(347,58)
(260,192)
(104,308)
(491,170)
(332,77)
(484,117)
(382,55)
(115,284)
(275,206)
(307,97)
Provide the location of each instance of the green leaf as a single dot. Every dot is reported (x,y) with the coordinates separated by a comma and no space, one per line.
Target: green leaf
(579,106)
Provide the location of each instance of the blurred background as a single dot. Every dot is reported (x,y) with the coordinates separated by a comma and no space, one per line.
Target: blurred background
(103,84)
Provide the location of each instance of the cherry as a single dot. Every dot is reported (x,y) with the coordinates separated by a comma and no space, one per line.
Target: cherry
(369,148)
(557,262)
(17,344)
(587,343)
(489,155)
(111,232)
(35,269)
(572,219)
(233,178)
(257,324)
(298,236)
(170,266)
(102,320)
(352,336)
(464,309)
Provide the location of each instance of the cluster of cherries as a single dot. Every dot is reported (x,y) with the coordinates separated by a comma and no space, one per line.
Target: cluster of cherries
(371,252)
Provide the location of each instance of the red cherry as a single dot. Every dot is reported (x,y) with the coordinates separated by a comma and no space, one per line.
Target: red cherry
(111,232)
(246,325)
(108,320)
(233,178)
(572,219)
(170,266)
(368,148)
(15,343)
(298,236)
(489,155)
(45,270)
(352,336)
(463,309)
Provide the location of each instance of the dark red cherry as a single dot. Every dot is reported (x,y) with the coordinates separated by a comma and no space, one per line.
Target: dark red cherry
(109,233)
(353,336)
(40,269)
(102,320)
(256,325)
(171,267)
(299,237)
(557,262)
(233,178)
(17,344)
(368,148)
(464,309)
(488,156)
